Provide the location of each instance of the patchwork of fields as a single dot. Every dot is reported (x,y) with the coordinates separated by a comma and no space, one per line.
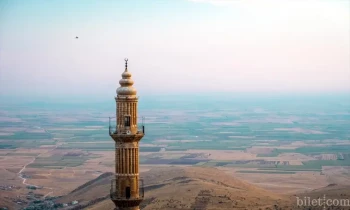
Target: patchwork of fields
(256,140)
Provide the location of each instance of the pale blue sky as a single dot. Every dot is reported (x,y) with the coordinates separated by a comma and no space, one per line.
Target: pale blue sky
(173,46)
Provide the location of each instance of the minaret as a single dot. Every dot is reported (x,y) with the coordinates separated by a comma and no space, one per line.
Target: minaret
(127,188)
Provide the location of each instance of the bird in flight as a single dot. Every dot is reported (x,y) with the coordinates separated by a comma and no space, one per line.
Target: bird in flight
(76,37)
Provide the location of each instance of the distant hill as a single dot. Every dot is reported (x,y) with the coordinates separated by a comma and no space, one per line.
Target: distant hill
(95,189)
(182,188)
(199,188)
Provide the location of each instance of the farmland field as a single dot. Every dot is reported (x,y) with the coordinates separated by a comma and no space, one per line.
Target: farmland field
(257,139)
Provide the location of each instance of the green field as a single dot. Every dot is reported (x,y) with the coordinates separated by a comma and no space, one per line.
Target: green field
(185,123)
(266,172)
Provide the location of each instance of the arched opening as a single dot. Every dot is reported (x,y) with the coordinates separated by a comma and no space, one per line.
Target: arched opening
(127,192)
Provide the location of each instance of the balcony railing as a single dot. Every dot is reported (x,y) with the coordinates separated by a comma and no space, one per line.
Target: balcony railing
(115,195)
(113,128)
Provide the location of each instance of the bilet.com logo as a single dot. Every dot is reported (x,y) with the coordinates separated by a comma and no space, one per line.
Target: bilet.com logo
(322,202)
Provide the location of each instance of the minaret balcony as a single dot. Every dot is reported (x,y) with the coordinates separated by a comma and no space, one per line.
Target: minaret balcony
(114,131)
(127,131)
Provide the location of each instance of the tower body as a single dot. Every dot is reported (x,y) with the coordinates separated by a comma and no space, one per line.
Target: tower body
(127,188)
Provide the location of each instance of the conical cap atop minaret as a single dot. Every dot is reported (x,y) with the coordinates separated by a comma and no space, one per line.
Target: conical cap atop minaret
(126,88)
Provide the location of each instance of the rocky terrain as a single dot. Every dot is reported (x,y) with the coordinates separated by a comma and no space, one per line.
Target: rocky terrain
(183,188)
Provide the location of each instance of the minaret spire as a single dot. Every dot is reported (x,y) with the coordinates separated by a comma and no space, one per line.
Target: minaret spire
(126,89)
(126,64)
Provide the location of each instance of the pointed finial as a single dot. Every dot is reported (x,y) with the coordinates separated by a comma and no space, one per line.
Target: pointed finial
(126,64)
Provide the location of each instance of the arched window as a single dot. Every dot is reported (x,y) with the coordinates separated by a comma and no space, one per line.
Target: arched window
(127,121)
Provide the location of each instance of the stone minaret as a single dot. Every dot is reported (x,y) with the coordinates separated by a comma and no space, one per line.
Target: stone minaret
(127,188)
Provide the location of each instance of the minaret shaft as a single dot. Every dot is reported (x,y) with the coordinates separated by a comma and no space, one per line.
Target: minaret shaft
(127,188)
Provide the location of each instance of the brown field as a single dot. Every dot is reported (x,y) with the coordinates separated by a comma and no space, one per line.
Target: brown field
(300,130)
(10,119)
(290,157)
(260,150)
(60,180)
(11,129)
(6,134)
(282,183)
(225,154)
(326,157)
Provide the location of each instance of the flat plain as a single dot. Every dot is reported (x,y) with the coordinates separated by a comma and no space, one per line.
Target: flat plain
(283,145)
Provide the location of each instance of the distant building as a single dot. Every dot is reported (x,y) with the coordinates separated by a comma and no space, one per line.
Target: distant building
(126,189)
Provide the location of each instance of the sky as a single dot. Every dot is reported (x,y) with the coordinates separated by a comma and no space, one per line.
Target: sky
(173,46)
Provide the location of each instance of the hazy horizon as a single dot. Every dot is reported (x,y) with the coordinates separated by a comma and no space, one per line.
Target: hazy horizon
(174,47)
